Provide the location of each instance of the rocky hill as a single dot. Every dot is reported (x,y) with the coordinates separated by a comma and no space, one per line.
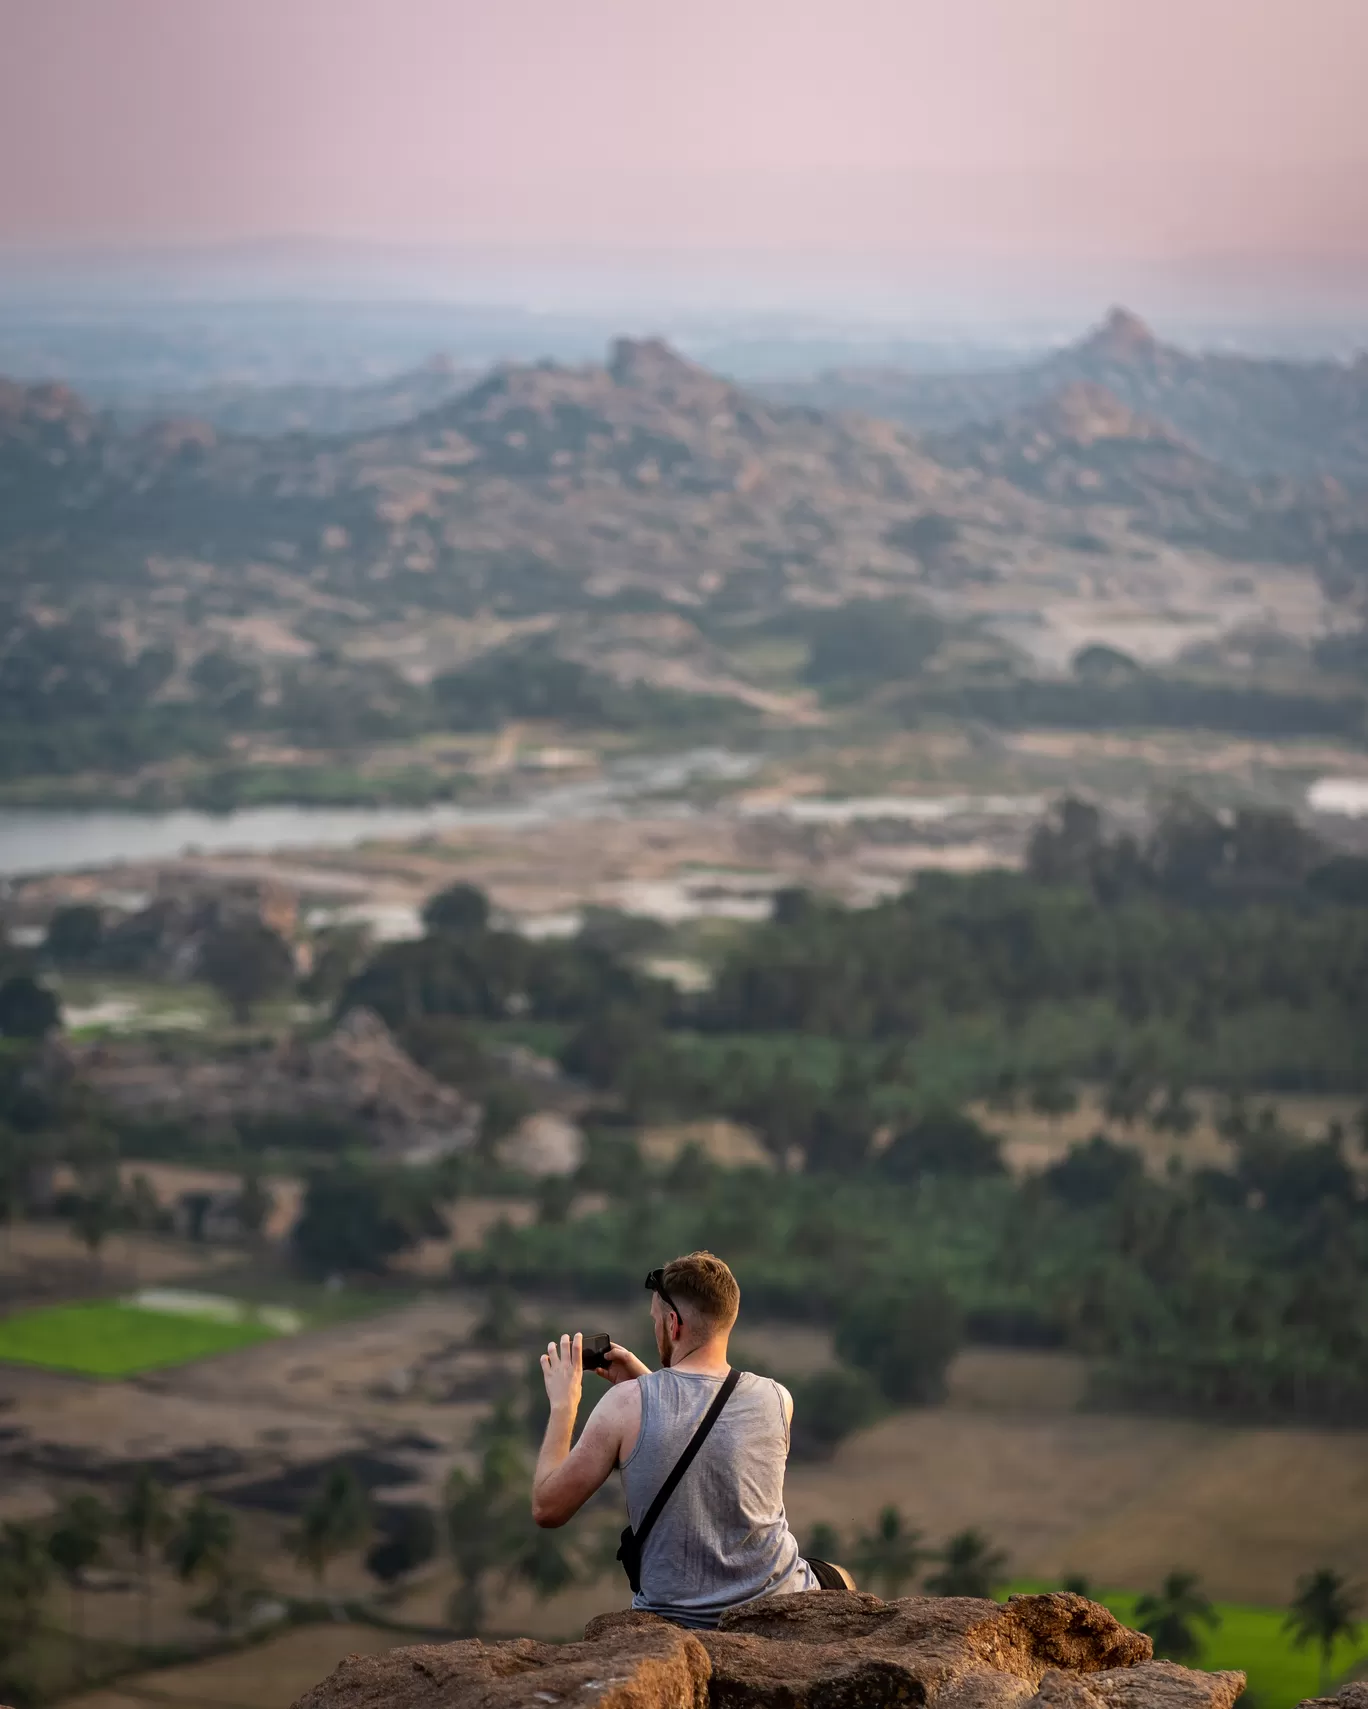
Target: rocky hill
(355,1075)
(1084,445)
(546,488)
(1254,415)
(594,543)
(587,471)
(822,1650)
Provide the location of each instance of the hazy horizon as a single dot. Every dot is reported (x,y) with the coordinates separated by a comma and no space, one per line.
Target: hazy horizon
(1041,129)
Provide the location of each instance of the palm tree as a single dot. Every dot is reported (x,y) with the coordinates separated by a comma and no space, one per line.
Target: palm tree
(16,1164)
(337,1518)
(25,1573)
(1325,1610)
(96,1216)
(76,1542)
(145,1520)
(254,1205)
(490,1530)
(1171,1617)
(824,1542)
(970,1566)
(477,1509)
(889,1555)
(203,1540)
(1175,1114)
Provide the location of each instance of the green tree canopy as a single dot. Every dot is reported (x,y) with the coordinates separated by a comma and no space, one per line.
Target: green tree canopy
(1325,1610)
(357,1217)
(1173,1615)
(969,1566)
(246,962)
(889,1555)
(336,1518)
(904,1340)
(74,935)
(461,910)
(28,1010)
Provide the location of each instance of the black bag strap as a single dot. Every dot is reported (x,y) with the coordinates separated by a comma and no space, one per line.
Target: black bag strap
(686,1459)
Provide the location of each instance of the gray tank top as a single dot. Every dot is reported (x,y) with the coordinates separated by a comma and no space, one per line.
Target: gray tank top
(723,1537)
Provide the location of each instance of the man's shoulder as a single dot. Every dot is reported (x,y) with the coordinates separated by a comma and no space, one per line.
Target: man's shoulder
(773,1386)
(621,1402)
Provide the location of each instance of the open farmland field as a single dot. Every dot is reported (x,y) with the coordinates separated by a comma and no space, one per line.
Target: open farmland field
(120,1338)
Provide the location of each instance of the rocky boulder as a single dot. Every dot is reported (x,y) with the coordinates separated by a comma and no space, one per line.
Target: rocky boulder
(355,1073)
(1352,1696)
(656,1668)
(822,1650)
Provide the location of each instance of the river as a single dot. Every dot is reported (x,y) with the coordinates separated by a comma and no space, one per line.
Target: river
(36,840)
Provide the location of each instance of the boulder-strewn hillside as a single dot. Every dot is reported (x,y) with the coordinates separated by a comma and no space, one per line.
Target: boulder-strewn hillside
(649,471)
(1085,445)
(356,1075)
(822,1650)
(569,542)
(1256,416)
(545,486)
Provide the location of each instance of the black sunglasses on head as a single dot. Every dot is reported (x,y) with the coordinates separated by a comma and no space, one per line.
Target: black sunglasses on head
(655,1283)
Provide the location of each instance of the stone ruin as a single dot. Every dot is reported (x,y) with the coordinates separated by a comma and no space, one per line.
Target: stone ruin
(828,1649)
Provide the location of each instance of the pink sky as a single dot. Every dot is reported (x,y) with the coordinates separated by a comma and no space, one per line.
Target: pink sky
(1031,126)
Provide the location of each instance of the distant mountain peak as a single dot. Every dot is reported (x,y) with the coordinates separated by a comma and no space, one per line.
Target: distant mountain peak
(649,362)
(1122,337)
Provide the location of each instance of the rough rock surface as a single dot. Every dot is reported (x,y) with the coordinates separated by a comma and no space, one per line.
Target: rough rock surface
(356,1072)
(821,1650)
(1352,1696)
(545,1143)
(660,1668)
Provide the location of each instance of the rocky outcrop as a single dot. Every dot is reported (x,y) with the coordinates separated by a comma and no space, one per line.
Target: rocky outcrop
(1352,1696)
(356,1073)
(822,1650)
(657,1668)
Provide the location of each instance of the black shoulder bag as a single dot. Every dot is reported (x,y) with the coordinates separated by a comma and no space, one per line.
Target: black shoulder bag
(629,1551)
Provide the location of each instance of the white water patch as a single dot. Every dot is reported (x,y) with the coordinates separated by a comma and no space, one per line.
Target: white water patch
(672,900)
(387,922)
(1344,795)
(916,809)
(216,1308)
(122,1014)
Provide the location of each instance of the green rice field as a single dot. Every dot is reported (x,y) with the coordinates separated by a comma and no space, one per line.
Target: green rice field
(1253,1641)
(119,1338)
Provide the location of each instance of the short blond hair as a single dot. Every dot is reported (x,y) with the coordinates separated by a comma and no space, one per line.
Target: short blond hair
(705,1283)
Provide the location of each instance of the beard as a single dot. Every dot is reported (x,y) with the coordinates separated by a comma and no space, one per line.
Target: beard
(663,1346)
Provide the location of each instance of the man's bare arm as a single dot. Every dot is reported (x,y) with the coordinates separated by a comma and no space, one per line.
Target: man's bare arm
(566,1477)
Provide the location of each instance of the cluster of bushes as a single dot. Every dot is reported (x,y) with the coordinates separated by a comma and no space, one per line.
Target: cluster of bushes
(1146,700)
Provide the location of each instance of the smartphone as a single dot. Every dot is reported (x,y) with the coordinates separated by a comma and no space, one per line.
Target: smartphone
(595,1352)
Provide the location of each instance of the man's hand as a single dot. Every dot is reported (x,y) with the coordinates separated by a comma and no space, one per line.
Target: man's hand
(563,1372)
(621,1366)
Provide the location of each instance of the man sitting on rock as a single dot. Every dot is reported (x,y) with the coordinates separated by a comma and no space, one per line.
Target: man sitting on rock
(721,1538)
